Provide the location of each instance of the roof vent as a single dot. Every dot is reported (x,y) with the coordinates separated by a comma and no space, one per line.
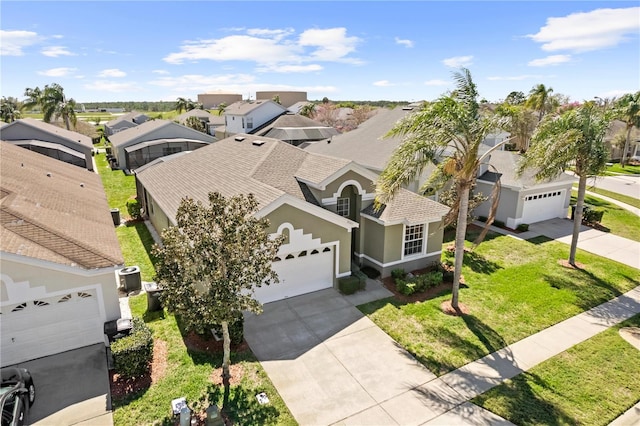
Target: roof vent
(407,108)
(239,138)
(258,143)
(48,174)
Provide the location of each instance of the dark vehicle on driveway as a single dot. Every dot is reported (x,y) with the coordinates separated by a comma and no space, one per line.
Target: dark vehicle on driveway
(17,395)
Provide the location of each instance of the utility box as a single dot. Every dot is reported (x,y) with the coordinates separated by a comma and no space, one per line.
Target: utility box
(115,216)
(130,278)
(153,296)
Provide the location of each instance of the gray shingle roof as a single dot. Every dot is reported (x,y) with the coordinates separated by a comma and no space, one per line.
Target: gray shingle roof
(245,107)
(54,211)
(43,129)
(133,117)
(408,207)
(365,144)
(149,130)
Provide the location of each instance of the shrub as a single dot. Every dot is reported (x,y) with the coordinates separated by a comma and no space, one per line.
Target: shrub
(349,285)
(132,354)
(482,218)
(362,279)
(236,329)
(133,207)
(405,287)
(523,227)
(591,215)
(397,274)
(498,223)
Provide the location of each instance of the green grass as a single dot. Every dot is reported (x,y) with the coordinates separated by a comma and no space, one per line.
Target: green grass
(136,243)
(118,186)
(617,220)
(632,201)
(515,289)
(573,388)
(628,169)
(189,375)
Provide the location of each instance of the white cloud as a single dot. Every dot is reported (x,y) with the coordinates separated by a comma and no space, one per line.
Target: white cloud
(436,82)
(161,72)
(458,61)
(55,51)
(113,87)
(12,43)
(58,72)
(383,83)
(190,82)
(404,42)
(112,72)
(290,68)
(584,31)
(271,48)
(515,77)
(549,60)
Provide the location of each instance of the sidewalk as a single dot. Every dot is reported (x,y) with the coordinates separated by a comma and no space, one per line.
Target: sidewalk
(481,375)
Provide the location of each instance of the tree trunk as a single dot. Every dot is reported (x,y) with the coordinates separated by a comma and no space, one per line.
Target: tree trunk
(623,162)
(577,219)
(461,231)
(226,344)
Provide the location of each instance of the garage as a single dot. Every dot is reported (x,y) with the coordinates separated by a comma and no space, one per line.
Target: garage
(543,206)
(300,272)
(50,325)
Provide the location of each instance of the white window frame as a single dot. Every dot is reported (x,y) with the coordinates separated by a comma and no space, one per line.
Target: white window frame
(340,206)
(413,234)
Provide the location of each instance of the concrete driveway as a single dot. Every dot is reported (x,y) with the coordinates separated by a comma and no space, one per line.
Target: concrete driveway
(72,388)
(332,365)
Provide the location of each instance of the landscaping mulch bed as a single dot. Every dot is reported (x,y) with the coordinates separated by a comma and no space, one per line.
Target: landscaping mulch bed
(422,296)
(121,387)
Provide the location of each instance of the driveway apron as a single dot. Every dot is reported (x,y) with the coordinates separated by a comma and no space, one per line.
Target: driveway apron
(331,364)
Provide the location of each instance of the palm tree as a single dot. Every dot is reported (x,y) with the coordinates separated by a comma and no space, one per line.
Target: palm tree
(574,137)
(182,104)
(521,125)
(628,110)
(54,105)
(447,132)
(221,107)
(9,109)
(540,99)
(307,110)
(33,98)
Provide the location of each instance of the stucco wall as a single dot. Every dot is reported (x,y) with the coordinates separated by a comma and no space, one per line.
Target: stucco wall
(332,188)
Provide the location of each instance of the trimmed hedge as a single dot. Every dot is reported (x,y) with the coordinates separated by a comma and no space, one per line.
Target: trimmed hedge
(132,354)
(133,207)
(592,215)
(349,285)
(523,227)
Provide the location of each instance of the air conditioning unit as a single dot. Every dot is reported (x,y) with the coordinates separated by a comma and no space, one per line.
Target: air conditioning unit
(130,278)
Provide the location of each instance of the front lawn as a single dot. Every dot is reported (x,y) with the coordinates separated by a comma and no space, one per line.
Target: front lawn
(632,201)
(194,374)
(119,186)
(628,169)
(617,220)
(515,289)
(589,384)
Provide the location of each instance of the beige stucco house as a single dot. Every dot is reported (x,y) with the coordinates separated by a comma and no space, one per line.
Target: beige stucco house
(53,141)
(153,139)
(323,205)
(59,257)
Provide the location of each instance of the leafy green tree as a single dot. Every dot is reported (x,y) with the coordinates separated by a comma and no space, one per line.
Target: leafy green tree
(211,261)
(307,110)
(540,99)
(9,109)
(53,102)
(33,98)
(447,132)
(221,107)
(515,98)
(576,137)
(521,123)
(182,104)
(628,110)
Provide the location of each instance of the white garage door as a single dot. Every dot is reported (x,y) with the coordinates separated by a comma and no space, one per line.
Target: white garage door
(299,273)
(48,326)
(543,206)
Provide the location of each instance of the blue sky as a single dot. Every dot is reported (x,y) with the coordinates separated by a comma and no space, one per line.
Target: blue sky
(353,50)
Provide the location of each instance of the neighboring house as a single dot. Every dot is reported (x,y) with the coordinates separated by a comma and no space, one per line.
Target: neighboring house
(614,139)
(522,200)
(249,116)
(323,206)
(59,257)
(495,138)
(142,144)
(124,122)
(212,100)
(53,141)
(295,108)
(210,121)
(296,130)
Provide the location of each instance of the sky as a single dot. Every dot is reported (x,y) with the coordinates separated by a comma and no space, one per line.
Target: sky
(101,51)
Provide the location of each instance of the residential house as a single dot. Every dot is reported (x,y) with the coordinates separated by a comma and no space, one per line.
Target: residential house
(123,122)
(53,141)
(212,100)
(286,98)
(296,130)
(615,137)
(522,200)
(249,116)
(59,257)
(210,121)
(153,139)
(323,205)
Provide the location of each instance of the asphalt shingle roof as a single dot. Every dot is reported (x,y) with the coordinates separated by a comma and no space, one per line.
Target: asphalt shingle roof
(54,211)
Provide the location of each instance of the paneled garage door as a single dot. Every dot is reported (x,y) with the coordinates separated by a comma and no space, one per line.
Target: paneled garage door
(47,326)
(543,206)
(299,273)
